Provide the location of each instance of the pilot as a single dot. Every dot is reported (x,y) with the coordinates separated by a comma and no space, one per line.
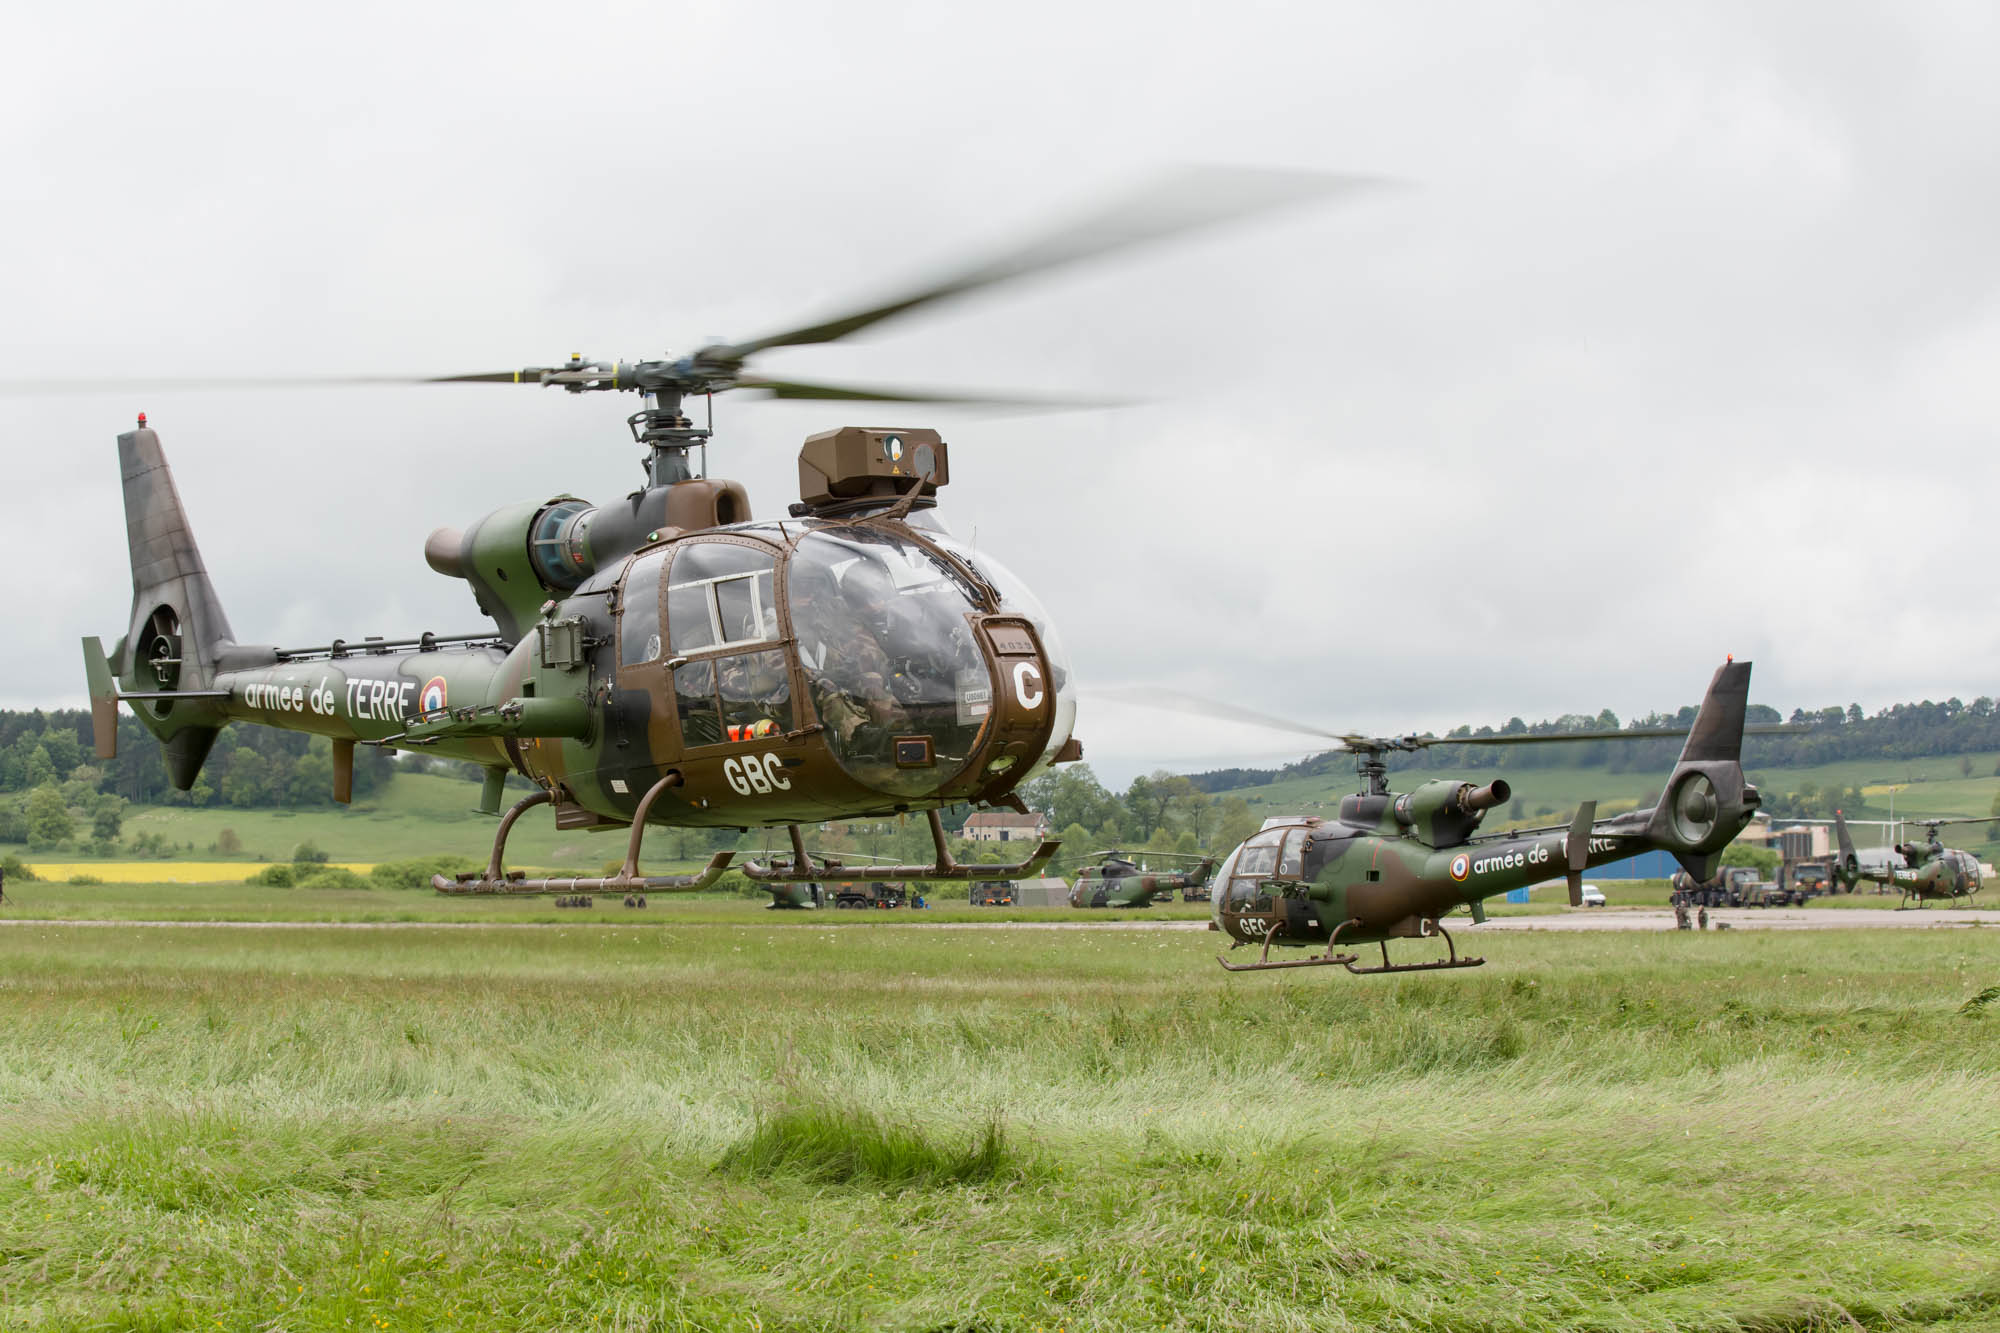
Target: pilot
(838,664)
(874,639)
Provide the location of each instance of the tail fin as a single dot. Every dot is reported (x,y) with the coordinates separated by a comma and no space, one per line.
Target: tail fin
(177,628)
(1849,863)
(1707,802)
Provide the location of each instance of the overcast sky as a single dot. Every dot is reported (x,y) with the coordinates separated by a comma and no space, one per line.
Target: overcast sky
(1682,343)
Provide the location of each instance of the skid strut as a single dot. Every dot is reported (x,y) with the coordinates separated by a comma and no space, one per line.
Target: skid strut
(804,869)
(497,879)
(1349,960)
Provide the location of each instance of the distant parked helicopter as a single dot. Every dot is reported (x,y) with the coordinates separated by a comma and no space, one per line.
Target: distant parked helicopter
(1930,870)
(1391,865)
(1118,881)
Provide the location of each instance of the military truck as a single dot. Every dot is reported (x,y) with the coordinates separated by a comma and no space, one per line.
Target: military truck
(875,893)
(1811,878)
(1733,886)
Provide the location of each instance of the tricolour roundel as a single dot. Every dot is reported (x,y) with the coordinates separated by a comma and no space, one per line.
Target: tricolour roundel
(432,699)
(1461,865)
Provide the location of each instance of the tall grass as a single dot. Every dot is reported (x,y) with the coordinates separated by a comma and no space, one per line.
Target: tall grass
(801,1127)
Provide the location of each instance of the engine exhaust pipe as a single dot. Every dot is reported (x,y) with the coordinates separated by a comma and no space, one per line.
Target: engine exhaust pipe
(1473,799)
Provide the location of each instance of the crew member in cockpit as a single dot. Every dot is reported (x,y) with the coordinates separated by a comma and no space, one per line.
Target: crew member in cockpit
(848,667)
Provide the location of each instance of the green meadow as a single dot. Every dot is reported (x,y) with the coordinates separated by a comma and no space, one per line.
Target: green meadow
(784,1124)
(419,814)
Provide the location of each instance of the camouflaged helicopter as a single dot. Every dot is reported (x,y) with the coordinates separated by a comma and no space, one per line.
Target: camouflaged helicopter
(1117,880)
(1392,865)
(667,658)
(1930,871)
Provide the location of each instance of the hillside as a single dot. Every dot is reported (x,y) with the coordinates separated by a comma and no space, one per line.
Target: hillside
(417,814)
(1936,786)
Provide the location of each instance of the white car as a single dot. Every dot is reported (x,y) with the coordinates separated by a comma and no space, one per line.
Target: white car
(1593,896)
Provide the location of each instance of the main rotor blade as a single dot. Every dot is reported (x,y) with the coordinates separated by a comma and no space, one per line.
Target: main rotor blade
(1178,203)
(174,383)
(171,383)
(888,393)
(1173,701)
(1631,734)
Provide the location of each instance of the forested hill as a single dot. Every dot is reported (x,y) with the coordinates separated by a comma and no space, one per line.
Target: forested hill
(249,766)
(1904,731)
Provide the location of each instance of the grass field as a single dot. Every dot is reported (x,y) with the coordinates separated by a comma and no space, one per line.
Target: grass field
(127,900)
(782,1125)
(419,814)
(255,902)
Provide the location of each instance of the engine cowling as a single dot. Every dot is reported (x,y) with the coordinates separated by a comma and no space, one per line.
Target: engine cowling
(1443,814)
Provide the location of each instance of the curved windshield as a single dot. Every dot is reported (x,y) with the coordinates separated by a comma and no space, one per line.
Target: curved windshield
(1249,866)
(895,675)
(1015,599)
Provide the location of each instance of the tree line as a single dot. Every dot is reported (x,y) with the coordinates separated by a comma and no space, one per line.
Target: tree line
(1833,734)
(55,792)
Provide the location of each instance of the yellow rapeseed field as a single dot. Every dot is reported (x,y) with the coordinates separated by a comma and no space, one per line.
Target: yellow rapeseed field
(164,872)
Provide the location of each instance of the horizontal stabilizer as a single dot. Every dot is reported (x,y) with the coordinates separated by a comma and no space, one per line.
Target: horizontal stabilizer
(103,698)
(1576,848)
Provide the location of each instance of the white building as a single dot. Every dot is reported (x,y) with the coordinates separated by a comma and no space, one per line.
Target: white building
(1006,826)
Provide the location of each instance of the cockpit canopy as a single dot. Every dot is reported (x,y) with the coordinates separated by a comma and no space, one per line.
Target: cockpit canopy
(881,628)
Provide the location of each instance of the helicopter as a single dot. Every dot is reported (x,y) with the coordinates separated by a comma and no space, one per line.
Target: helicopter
(792,895)
(1930,870)
(667,658)
(1391,865)
(1118,881)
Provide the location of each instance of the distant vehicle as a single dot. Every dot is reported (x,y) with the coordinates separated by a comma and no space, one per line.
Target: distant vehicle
(1930,870)
(1732,886)
(1813,878)
(1775,895)
(1592,896)
(1046,891)
(875,893)
(1119,881)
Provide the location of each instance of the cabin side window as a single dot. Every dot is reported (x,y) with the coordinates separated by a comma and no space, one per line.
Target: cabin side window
(720,594)
(639,610)
(1291,862)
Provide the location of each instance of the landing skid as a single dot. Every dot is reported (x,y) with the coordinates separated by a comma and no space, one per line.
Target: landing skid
(496,879)
(1349,960)
(804,869)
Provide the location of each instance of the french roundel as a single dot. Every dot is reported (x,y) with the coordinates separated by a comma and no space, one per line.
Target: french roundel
(1460,865)
(432,698)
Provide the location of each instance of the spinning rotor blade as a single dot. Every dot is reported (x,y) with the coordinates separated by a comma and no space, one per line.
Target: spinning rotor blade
(1943,823)
(1180,202)
(1172,701)
(884,393)
(1149,696)
(159,384)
